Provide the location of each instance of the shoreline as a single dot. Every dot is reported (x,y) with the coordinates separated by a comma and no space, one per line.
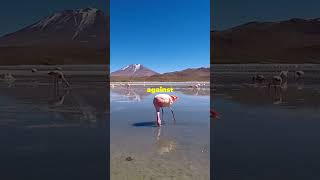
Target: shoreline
(216,69)
(249,68)
(75,70)
(155,83)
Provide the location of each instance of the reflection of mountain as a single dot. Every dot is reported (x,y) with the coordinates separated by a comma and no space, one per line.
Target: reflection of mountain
(290,41)
(68,37)
(131,94)
(195,92)
(196,74)
(79,107)
(137,94)
(292,97)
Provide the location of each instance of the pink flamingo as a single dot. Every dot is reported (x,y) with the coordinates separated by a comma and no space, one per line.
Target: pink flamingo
(161,101)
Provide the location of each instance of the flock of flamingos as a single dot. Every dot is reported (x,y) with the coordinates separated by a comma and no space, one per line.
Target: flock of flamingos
(161,101)
(56,74)
(278,82)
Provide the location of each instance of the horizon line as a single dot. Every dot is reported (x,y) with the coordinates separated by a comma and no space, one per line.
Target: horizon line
(182,69)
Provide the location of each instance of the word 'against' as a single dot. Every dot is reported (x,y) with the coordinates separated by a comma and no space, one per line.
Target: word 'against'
(161,89)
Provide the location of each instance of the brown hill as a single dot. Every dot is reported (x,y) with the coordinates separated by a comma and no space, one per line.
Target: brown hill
(291,41)
(197,74)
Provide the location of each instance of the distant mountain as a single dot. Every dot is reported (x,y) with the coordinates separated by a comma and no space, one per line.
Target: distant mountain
(196,74)
(68,37)
(134,70)
(83,27)
(291,41)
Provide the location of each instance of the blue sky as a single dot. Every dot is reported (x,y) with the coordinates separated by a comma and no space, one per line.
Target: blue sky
(229,13)
(16,14)
(164,35)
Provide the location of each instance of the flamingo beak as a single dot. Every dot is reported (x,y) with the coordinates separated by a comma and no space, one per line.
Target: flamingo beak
(174,98)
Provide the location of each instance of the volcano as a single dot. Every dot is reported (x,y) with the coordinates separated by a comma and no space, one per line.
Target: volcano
(78,36)
(134,70)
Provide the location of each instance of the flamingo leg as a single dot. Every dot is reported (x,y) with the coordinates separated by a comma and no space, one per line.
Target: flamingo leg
(57,82)
(55,85)
(172,114)
(158,115)
(158,119)
(268,89)
(65,82)
(162,114)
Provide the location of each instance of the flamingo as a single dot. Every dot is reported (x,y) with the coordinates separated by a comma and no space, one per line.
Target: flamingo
(276,81)
(58,75)
(9,79)
(161,101)
(127,85)
(298,75)
(58,68)
(258,78)
(196,86)
(280,81)
(34,70)
(284,75)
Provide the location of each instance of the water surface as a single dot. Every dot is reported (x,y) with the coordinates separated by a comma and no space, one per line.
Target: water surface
(54,135)
(177,150)
(263,135)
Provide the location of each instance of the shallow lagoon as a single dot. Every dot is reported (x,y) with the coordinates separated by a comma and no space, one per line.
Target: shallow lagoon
(45,138)
(265,135)
(140,150)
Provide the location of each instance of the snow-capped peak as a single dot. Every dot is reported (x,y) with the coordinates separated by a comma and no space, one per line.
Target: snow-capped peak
(132,67)
(136,67)
(88,18)
(80,18)
(43,23)
(124,68)
(89,9)
(131,70)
